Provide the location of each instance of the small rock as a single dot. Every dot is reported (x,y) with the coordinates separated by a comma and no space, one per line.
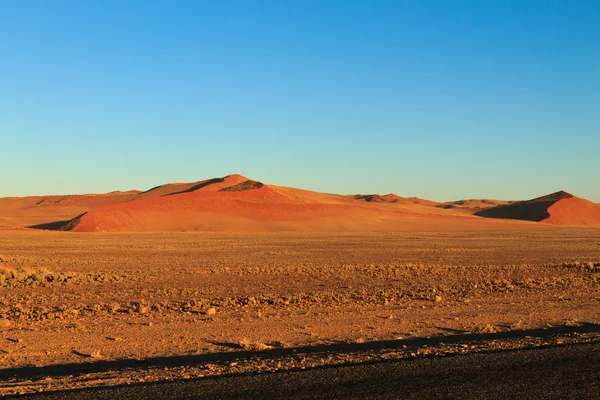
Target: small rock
(96,354)
(438,298)
(4,323)
(211,311)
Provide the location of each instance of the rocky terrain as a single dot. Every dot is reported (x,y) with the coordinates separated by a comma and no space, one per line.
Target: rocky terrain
(80,310)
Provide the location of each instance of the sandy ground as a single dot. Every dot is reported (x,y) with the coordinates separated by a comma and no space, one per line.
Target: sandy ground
(101,299)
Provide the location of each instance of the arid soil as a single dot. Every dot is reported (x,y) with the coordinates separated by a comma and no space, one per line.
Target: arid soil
(89,309)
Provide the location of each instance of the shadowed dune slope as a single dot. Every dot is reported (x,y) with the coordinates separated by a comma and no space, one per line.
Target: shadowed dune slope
(560,208)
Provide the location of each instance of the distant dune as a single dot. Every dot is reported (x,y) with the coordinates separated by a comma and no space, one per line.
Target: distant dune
(236,203)
(253,206)
(392,198)
(560,208)
(472,205)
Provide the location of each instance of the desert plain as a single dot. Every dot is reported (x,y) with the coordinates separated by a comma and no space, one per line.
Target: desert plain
(202,280)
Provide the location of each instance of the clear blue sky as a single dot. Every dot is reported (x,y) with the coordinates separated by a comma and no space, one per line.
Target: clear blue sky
(437,99)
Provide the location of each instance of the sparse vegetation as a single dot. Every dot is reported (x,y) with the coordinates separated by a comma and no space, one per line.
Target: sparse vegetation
(247,344)
(26,276)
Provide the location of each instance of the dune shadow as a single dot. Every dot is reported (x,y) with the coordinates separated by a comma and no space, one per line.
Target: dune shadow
(198,186)
(52,226)
(75,369)
(58,225)
(527,211)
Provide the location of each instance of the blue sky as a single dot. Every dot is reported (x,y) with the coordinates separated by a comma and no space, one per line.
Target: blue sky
(437,99)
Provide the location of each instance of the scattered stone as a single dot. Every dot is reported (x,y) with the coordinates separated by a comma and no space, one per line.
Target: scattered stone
(246,344)
(485,329)
(211,311)
(4,323)
(438,298)
(95,354)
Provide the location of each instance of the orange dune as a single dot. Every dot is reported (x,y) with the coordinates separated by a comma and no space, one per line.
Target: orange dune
(574,211)
(560,208)
(236,203)
(254,206)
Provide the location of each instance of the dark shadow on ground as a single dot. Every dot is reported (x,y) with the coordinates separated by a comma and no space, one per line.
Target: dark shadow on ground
(58,225)
(198,186)
(51,226)
(75,369)
(527,211)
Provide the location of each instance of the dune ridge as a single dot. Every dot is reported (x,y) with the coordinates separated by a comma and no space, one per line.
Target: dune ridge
(237,203)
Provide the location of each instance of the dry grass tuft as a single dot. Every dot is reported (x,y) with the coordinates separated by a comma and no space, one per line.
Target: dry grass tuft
(488,328)
(23,276)
(247,344)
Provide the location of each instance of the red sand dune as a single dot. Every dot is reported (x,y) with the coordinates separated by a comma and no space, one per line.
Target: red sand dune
(236,203)
(560,208)
(250,206)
